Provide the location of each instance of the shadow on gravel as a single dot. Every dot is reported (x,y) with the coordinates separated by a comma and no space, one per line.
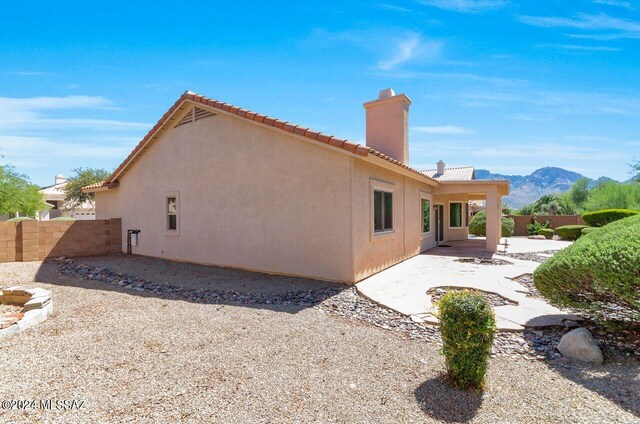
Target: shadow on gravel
(442,402)
(619,383)
(151,277)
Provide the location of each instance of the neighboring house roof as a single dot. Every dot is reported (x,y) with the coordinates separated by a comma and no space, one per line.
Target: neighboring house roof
(463,173)
(189,96)
(54,192)
(57,193)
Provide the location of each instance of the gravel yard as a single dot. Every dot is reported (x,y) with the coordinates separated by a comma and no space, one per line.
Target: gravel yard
(138,353)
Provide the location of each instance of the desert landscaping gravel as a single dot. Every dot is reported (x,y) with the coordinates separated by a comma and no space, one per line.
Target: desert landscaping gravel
(140,354)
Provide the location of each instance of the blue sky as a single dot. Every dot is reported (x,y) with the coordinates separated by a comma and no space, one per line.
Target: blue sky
(509,86)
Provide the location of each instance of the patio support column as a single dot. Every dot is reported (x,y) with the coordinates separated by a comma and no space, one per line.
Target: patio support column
(493,220)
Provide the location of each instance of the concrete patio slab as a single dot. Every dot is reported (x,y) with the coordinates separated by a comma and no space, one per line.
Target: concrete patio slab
(404,287)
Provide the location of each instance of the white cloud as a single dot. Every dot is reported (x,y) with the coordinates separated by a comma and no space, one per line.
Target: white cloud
(617,3)
(560,151)
(24,148)
(444,129)
(393,8)
(30,114)
(29,73)
(466,6)
(42,103)
(395,47)
(580,47)
(46,135)
(449,76)
(621,28)
(409,48)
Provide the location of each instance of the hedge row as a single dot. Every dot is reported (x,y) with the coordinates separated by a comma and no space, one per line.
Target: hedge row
(606,216)
(570,232)
(547,232)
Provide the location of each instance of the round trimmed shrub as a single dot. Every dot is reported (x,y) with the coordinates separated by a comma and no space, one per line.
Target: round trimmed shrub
(478,225)
(547,232)
(468,325)
(606,216)
(588,230)
(570,232)
(600,269)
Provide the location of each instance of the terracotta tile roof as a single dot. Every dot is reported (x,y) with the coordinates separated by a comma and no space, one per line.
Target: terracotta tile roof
(95,185)
(462,173)
(357,149)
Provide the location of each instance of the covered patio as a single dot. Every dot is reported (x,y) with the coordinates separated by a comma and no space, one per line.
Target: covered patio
(489,191)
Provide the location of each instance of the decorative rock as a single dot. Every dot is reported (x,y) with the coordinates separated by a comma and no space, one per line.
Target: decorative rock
(537,237)
(578,344)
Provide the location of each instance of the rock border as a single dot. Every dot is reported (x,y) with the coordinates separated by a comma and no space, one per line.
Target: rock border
(37,305)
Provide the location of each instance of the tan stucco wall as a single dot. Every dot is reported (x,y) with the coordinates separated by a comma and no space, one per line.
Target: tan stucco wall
(249,197)
(375,252)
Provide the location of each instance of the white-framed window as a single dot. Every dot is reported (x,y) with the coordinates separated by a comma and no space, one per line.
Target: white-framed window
(426,212)
(382,204)
(172,213)
(455,215)
(426,215)
(382,211)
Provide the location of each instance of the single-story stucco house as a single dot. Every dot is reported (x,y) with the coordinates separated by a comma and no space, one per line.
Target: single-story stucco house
(216,184)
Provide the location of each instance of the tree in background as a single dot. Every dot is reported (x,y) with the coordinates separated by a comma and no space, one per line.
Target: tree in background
(613,195)
(83,177)
(635,171)
(550,204)
(580,192)
(18,194)
(526,210)
(566,203)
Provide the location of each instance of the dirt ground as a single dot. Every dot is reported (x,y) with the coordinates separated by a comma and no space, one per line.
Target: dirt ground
(131,356)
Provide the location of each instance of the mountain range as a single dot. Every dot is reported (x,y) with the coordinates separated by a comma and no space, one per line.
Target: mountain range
(526,189)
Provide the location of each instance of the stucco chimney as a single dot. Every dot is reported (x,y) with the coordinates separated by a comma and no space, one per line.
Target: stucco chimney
(60,179)
(388,124)
(440,167)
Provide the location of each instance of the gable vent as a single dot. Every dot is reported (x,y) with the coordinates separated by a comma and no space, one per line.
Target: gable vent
(193,115)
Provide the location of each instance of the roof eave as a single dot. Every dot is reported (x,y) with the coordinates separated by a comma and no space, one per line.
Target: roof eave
(105,187)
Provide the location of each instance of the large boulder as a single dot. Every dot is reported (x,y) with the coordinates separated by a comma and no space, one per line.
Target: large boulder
(578,344)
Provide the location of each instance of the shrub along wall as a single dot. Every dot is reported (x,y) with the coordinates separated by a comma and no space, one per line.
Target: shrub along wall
(555,221)
(37,240)
(606,216)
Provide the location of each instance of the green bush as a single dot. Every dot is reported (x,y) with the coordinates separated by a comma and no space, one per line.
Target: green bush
(602,268)
(478,225)
(468,325)
(534,228)
(588,230)
(606,216)
(63,218)
(570,232)
(547,232)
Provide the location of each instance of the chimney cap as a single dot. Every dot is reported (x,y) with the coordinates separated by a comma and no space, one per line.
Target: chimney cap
(386,93)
